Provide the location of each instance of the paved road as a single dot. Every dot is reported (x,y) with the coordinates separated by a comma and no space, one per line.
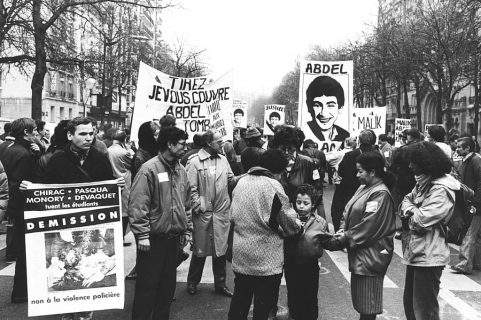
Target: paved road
(460,296)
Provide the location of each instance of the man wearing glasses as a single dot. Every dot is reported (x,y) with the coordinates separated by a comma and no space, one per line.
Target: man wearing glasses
(325,100)
(210,176)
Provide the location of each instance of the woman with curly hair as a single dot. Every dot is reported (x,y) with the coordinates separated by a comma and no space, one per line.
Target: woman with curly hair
(300,169)
(424,212)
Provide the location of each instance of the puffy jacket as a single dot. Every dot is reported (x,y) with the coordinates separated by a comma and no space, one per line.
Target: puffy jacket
(369,223)
(159,202)
(432,205)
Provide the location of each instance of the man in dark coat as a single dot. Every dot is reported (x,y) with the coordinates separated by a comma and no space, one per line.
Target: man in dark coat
(470,172)
(78,162)
(20,164)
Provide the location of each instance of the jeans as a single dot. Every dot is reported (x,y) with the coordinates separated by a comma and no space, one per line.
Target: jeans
(421,293)
(262,288)
(156,279)
(197,267)
(467,248)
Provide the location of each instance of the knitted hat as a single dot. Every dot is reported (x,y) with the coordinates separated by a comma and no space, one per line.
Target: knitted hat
(252,133)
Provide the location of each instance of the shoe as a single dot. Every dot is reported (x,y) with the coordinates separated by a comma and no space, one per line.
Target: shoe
(398,236)
(459,270)
(192,288)
(224,291)
(19,299)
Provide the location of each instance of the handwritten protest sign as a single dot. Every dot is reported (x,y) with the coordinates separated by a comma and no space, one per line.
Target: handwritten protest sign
(74,245)
(186,99)
(325,102)
(239,113)
(426,127)
(274,114)
(399,126)
(368,118)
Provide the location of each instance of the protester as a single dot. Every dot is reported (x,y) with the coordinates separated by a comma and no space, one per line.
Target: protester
(367,231)
(120,157)
(97,142)
(160,217)
(334,159)
(424,211)
(6,131)
(259,207)
(385,149)
(300,169)
(253,138)
(470,174)
(349,182)
(437,135)
(196,146)
(231,157)
(210,176)
(44,135)
(310,149)
(19,162)
(147,135)
(455,158)
(301,264)
(59,141)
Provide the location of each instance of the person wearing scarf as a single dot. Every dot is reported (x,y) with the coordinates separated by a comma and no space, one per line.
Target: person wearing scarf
(424,211)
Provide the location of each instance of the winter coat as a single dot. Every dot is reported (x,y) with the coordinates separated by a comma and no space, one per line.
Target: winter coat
(259,207)
(20,164)
(369,225)
(470,172)
(63,167)
(120,160)
(305,170)
(209,179)
(140,157)
(432,205)
(159,201)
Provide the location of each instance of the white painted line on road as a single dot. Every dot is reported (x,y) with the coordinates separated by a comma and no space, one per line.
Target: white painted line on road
(340,260)
(449,280)
(464,309)
(8,271)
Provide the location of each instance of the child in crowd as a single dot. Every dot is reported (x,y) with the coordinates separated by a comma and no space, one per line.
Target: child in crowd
(301,256)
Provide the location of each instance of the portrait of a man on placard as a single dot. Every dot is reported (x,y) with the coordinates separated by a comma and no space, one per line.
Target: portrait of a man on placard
(325,101)
(274,120)
(238,117)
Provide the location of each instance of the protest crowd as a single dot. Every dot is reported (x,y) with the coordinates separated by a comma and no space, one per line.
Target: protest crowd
(257,203)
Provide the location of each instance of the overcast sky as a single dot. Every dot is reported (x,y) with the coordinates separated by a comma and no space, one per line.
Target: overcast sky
(260,40)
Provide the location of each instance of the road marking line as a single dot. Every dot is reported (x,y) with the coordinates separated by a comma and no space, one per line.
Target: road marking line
(464,309)
(340,260)
(449,280)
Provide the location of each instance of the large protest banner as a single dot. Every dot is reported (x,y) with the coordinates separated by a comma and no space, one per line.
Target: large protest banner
(186,99)
(274,114)
(368,118)
(399,126)
(74,245)
(239,113)
(325,102)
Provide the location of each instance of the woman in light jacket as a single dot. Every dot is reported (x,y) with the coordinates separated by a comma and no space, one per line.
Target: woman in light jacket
(424,211)
(367,230)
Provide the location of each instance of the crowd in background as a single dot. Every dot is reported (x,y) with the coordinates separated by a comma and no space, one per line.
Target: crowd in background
(225,198)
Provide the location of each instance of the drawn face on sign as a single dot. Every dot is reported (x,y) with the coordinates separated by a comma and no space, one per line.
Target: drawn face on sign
(274,119)
(325,100)
(326,110)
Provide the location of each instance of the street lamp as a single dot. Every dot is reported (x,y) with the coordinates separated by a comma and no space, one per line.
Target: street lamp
(108,43)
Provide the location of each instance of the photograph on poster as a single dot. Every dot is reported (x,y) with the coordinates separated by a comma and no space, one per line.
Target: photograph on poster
(238,117)
(325,101)
(80,259)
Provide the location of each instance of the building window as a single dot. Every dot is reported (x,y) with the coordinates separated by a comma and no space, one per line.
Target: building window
(70,113)
(62,113)
(52,114)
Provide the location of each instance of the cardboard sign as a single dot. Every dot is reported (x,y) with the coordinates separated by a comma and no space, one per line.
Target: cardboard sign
(274,114)
(187,99)
(368,118)
(74,245)
(325,102)
(399,126)
(239,113)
